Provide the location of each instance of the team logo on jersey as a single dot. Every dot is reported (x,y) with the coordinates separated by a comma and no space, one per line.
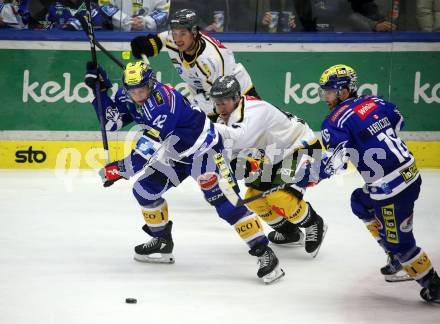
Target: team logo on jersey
(407,225)
(112,114)
(208,180)
(365,108)
(179,70)
(409,173)
(158,98)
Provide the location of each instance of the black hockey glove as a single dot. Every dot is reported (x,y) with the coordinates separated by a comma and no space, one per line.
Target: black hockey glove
(149,45)
(90,77)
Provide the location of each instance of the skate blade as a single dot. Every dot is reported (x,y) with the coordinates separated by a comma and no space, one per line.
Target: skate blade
(155,258)
(398,277)
(292,244)
(315,253)
(273,276)
(300,242)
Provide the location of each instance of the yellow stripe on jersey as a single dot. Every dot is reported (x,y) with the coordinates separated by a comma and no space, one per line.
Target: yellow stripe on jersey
(205,72)
(218,52)
(244,93)
(188,64)
(241,109)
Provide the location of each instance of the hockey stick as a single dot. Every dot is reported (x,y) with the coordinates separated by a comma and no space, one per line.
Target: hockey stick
(88,28)
(226,184)
(85,27)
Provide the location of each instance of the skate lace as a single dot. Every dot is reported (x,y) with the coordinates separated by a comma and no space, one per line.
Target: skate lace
(279,236)
(312,233)
(264,260)
(151,242)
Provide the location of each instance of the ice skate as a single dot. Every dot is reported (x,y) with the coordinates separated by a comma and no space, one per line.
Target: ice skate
(269,269)
(393,271)
(158,249)
(432,293)
(315,234)
(293,239)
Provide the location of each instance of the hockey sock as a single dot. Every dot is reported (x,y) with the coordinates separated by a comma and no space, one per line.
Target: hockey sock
(156,216)
(251,231)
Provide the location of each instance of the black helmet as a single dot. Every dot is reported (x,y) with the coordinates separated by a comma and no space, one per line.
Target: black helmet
(184,18)
(225,86)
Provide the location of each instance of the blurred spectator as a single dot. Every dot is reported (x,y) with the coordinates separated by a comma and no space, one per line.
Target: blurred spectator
(222,15)
(231,16)
(351,15)
(63,17)
(9,15)
(375,19)
(428,15)
(402,13)
(137,15)
(278,16)
(34,13)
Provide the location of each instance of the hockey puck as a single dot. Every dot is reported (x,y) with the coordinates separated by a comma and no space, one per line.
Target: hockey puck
(131,300)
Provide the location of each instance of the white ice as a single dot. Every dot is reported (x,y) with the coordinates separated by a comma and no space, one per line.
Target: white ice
(66,248)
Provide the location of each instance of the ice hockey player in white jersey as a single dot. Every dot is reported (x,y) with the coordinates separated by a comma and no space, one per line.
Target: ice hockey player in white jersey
(277,148)
(197,57)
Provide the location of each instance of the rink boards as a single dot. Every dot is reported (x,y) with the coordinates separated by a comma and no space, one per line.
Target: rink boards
(40,101)
(90,155)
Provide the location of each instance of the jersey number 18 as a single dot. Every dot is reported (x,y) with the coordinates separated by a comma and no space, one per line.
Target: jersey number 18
(395,144)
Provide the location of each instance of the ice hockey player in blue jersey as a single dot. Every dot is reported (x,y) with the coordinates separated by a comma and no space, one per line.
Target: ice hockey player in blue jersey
(364,130)
(177,141)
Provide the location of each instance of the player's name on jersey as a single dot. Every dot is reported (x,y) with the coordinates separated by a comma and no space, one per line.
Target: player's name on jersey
(378,126)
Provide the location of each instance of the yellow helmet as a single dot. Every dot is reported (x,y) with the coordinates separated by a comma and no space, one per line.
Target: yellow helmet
(339,76)
(137,75)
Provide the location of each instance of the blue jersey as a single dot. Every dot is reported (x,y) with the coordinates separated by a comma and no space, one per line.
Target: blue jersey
(365,130)
(168,121)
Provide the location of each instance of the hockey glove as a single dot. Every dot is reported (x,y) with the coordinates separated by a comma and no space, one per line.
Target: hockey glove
(306,174)
(112,172)
(149,45)
(91,75)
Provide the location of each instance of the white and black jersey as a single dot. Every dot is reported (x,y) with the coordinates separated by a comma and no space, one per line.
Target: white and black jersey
(211,60)
(256,124)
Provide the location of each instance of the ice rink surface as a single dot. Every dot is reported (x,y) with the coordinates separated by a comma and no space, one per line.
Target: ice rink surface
(66,248)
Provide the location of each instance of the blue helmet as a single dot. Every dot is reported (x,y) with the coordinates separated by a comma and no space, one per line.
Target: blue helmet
(138,75)
(338,77)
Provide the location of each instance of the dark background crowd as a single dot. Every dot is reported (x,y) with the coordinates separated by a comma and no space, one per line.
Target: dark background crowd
(229,15)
